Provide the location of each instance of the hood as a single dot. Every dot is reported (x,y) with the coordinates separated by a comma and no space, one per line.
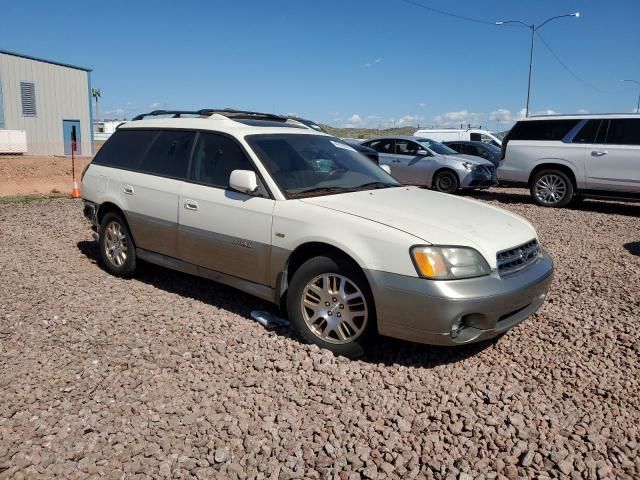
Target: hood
(435,218)
(468,158)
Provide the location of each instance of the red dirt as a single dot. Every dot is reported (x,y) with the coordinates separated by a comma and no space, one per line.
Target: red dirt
(27,175)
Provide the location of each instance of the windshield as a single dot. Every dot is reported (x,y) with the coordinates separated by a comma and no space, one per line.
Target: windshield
(437,147)
(493,148)
(312,165)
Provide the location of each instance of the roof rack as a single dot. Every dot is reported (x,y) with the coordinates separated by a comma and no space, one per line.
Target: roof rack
(206,112)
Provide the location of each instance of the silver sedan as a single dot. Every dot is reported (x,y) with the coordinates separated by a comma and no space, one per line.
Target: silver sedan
(425,162)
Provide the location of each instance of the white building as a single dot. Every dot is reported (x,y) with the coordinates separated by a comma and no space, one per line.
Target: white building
(44,101)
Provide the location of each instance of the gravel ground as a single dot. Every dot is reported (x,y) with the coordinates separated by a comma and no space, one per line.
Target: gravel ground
(166,375)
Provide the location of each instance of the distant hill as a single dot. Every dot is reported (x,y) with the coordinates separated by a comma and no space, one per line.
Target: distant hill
(368,132)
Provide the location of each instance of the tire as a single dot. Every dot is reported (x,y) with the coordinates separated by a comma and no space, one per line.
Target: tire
(446,181)
(551,188)
(321,310)
(117,250)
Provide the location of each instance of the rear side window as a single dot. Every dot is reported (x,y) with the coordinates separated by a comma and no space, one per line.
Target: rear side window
(549,130)
(588,132)
(169,154)
(624,131)
(214,158)
(125,148)
(382,146)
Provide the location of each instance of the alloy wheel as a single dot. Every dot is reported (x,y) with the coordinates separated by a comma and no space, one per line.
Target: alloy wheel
(550,189)
(115,244)
(334,308)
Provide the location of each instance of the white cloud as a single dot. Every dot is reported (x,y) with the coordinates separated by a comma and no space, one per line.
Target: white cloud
(422,104)
(155,105)
(451,119)
(116,112)
(583,111)
(292,114)
(409,120)
(369,64)
(354,120)
(501,115)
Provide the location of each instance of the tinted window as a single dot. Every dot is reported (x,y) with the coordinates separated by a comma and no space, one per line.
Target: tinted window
(381,146)
(475,137)
(624,132)
(169,154)
(456,146)
(542,129)
(587,133)
(214,158)
(125,148)
(406,147)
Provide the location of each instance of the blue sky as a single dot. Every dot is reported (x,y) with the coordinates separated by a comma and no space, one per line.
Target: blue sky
(348,62)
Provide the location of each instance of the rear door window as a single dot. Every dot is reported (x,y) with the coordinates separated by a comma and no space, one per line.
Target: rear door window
(169,154)
(382,146)
(125,148)
(588,132)
(406,147)
(624,131)
(214,158)
(550,130)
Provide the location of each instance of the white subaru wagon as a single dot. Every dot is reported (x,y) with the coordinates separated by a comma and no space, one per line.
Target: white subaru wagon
(300,219)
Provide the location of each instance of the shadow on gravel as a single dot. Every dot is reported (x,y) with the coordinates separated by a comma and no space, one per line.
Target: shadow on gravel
(633,248)
(386,351)
(588,205)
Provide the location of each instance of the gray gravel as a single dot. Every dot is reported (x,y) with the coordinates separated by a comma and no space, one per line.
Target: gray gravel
(167,375)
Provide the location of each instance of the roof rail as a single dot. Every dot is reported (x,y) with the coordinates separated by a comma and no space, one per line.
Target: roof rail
(206,112)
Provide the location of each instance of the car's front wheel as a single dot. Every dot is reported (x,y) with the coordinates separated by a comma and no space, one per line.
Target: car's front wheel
(552,188)
(117,251)
(446,181)
(330,304)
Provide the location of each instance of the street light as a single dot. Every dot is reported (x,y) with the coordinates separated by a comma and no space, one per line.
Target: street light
(534,28)
(637,83)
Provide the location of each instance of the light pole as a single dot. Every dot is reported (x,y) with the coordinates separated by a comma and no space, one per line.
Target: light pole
(637,83)
(534,28)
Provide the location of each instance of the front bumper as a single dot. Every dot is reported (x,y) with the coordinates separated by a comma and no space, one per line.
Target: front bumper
(479,179)
(425,311)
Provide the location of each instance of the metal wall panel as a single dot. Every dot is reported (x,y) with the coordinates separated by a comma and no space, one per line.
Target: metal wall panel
(61,93)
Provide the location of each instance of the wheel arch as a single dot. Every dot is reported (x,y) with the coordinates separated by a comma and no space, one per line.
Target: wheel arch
(107,207)
(567,170)
(306,251)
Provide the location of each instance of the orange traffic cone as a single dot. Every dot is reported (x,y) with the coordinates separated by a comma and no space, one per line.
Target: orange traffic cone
(75,193)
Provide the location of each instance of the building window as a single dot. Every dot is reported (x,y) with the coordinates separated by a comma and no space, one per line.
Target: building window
(28,98)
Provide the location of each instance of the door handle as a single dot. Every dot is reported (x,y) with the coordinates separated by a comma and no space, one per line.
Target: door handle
(128,189)
(191,205)
(599,153)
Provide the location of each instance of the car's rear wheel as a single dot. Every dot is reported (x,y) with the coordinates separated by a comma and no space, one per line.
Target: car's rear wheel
(552,188)
(330,304)
(446,181)
(117,251)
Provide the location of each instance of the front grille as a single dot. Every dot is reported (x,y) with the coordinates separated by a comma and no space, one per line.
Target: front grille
(486,169)
(517,258)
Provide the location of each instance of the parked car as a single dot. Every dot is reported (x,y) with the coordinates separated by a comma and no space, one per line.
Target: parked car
(300,219)
(421,161)
(477,149)
(460,134)
(565,158)
(366,151)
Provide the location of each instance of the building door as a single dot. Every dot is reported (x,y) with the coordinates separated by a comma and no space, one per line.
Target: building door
(68,127)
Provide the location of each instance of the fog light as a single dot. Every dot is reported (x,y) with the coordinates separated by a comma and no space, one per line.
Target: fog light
(456,328)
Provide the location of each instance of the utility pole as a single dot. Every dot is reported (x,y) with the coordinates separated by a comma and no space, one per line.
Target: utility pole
(534,28)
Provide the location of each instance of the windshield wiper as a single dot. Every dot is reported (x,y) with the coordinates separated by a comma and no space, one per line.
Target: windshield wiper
(319,190)
(374,185)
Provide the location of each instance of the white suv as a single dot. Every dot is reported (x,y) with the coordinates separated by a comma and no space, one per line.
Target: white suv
(565,158)
(300,219)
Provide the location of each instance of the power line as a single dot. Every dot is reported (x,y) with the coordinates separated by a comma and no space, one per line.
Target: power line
(569,70)
(448,14)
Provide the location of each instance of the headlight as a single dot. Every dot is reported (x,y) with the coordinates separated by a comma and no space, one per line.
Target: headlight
(448,263)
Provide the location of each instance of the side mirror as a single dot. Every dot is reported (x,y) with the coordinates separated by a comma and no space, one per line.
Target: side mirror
(386,168)
(422,153)
(244,181)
